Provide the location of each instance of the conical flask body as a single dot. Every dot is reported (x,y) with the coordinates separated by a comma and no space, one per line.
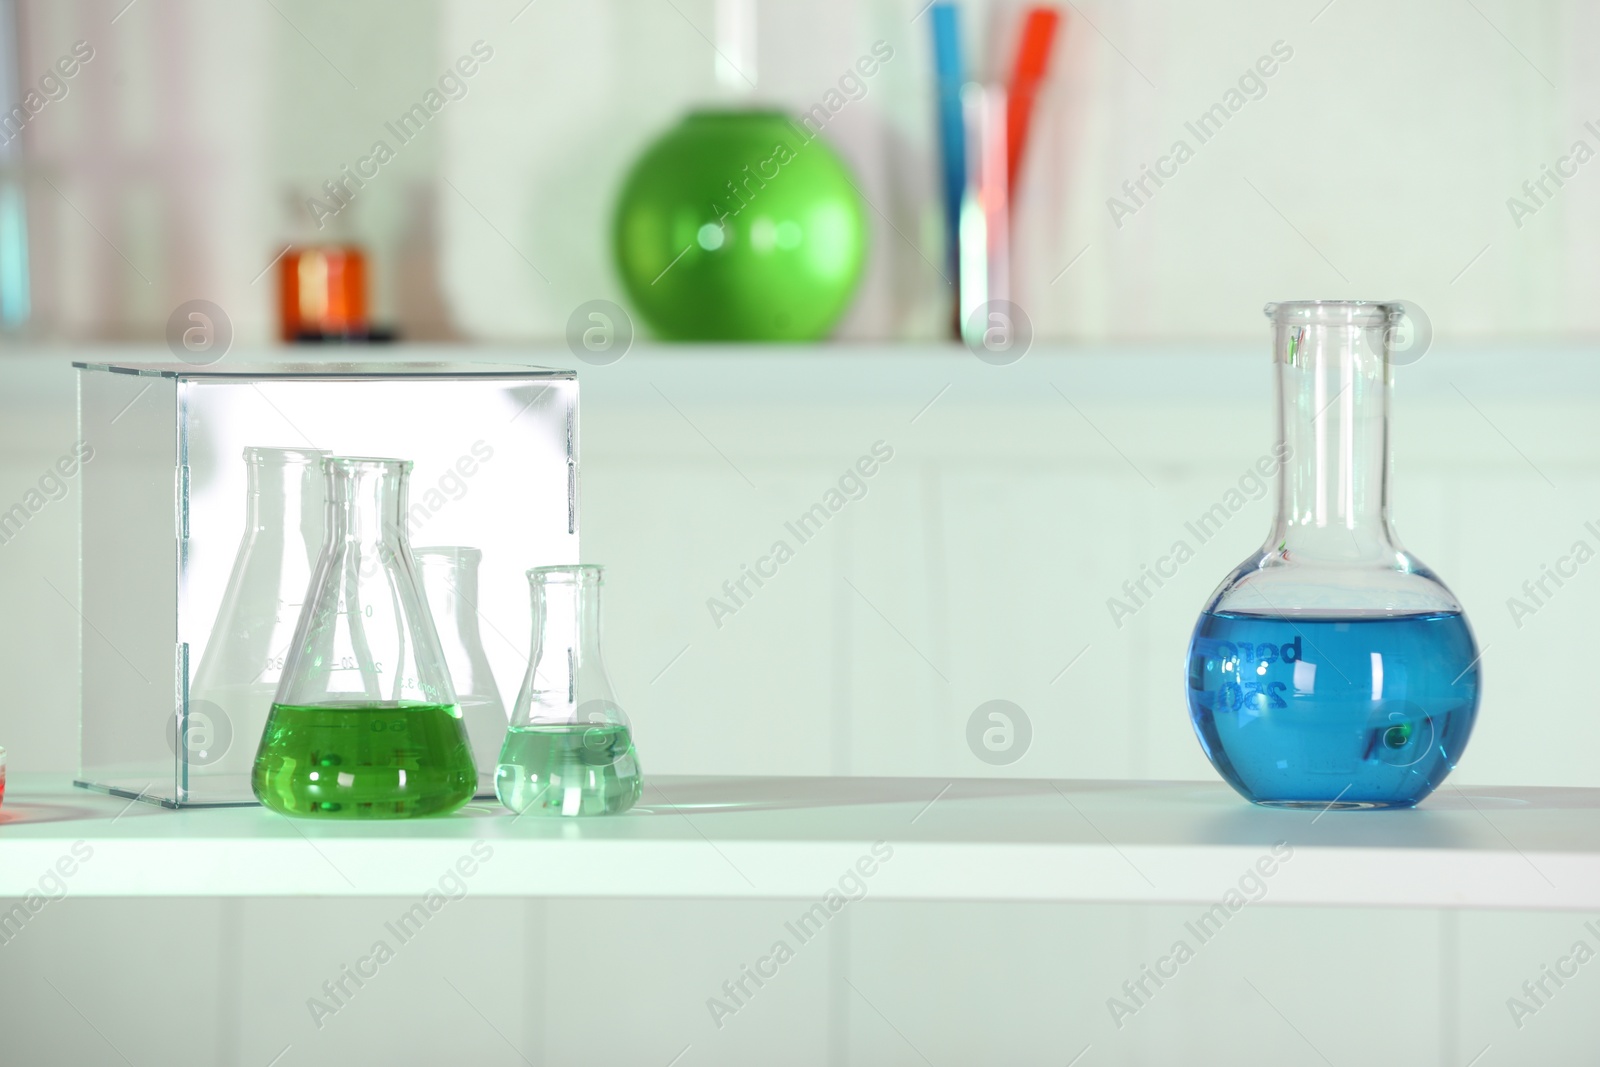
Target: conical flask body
(570,748)
(450,580)
(243,661)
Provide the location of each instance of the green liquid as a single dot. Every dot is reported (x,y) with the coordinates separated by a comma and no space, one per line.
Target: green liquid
(570,769)
(364,761)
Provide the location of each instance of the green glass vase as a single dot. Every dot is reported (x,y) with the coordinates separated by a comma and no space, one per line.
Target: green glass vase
(740,226)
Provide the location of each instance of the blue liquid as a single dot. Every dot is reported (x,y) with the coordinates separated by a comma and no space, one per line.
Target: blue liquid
(1308,710)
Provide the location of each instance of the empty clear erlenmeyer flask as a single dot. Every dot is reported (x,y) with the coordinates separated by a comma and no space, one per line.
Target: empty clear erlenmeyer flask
(569,750)
(1332,667)
(365,723)
(450,579)
(243,660)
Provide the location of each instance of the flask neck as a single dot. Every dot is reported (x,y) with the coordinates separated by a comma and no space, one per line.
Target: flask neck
(450,580)
(566,639)
(282,490)
(366,502)
(1333,423)
(566,680)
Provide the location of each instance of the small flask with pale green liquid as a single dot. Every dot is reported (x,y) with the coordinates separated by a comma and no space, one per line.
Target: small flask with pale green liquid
(569,750)
(365,723)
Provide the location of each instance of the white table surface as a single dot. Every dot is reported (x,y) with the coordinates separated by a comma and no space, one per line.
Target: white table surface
(946,839)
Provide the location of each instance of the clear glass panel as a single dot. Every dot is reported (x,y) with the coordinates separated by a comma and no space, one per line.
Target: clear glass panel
(130,559)
(495,453)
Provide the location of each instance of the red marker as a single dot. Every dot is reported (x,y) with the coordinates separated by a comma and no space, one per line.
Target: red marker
(1033,61)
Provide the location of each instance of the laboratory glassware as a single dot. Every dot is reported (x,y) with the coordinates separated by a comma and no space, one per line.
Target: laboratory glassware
(365,723)
(1332,668)
(759,221)
(243,660)
(569,750)
(322,293)
(450,580)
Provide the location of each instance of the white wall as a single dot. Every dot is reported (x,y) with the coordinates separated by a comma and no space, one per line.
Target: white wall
(595,984)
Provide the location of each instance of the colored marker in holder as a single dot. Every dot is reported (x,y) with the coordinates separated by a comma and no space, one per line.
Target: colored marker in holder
(983,135)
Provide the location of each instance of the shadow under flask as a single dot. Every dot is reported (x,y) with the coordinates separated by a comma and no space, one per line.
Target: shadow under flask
(365,723)
(243,661)
(569,750)
(1332,668)
(450,580)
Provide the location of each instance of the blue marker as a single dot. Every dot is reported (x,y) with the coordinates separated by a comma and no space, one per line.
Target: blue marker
(952,138)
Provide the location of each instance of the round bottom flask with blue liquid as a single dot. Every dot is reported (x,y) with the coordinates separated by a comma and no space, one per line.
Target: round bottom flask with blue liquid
(1332,668)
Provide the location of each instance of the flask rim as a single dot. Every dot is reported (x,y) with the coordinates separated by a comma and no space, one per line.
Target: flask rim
(260,454)
(569,573)
(366,463)
(1361,313)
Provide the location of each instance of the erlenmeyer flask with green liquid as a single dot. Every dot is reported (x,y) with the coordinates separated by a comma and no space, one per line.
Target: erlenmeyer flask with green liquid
(365,723)
(569,750)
